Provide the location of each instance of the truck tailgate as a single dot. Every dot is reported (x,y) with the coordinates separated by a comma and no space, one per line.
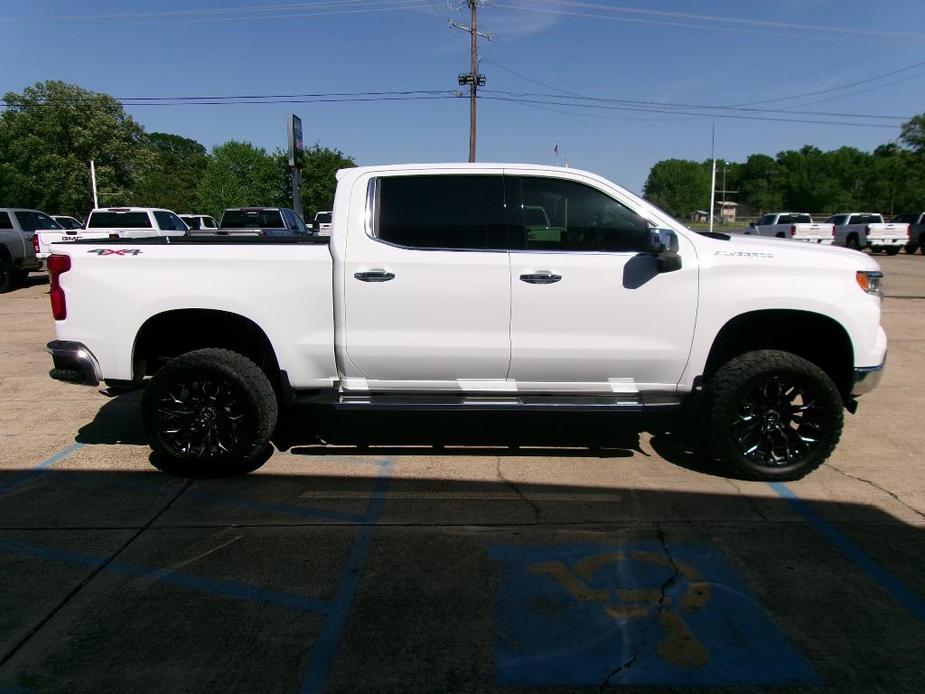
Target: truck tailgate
(813,233)
(889,232)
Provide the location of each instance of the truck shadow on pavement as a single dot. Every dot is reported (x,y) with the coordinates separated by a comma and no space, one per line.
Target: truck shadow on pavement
(317,431)
(365,574)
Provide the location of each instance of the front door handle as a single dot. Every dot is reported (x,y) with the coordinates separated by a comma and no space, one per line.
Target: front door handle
(540,278)
(374,276)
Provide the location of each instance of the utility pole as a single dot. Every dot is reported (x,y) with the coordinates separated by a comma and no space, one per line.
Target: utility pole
(713,178)
(96,202)
(472,78)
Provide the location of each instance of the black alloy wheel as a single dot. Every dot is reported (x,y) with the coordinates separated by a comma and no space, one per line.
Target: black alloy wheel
(209,412)
(778,421)
(773,415)
(200,418)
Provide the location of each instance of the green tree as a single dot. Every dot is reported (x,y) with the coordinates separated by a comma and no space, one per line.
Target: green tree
(679,186)
(319,178)
(758,185)
(239,174)
(913,134)
(169,170)
(48,135)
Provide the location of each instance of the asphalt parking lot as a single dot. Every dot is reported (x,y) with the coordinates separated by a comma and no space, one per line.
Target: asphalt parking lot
(451,554)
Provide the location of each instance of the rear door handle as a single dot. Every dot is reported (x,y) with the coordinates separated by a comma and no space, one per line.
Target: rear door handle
(374,276)
(540,278)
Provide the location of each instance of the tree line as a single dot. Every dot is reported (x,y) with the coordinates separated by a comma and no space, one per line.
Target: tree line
(891,179)
(50,132)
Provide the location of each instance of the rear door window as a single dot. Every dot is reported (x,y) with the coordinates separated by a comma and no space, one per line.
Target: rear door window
(5,221)
(561,215)
(33,221)
(458,212)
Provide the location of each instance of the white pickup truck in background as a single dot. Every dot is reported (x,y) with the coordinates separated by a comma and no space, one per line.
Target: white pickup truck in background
(859,230)
(798,226)
(113,222)
(436,290)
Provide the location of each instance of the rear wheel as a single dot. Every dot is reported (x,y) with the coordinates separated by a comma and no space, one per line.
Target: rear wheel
(6,274)
(852,242)
(772,415)
(911,248)
(209,412)
(891,250)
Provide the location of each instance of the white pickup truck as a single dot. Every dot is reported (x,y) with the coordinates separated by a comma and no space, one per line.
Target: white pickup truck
(113,222)
(859,230)
(435,290)
(798,226)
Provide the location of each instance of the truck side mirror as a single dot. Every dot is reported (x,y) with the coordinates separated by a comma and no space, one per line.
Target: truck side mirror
(663,244)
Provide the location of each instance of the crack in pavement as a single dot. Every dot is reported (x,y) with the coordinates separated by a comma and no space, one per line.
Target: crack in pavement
(873,484)
(513,485)
(616,673)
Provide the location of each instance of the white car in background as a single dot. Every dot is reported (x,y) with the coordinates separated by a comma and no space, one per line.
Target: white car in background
(324,220)
(67,222)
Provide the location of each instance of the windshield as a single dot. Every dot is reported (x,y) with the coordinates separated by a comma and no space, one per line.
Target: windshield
(114,220)
(252,219)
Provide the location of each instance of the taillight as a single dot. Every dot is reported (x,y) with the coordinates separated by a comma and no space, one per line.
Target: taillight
(793,230)
(35,243)
(867,229)
(57,265)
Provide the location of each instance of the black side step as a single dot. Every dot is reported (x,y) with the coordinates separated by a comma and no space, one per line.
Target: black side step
(647,402)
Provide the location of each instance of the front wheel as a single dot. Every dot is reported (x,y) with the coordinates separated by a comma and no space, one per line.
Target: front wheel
(209,412)
(773,416)
(892,250)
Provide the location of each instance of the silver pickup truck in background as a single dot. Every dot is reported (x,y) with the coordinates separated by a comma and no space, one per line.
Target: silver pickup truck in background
(17,253)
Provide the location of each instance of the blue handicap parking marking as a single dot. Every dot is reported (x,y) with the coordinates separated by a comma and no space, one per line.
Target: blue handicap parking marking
(633,615)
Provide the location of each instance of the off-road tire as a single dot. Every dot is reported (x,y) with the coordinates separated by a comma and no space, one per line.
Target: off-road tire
(7,276)
(815,412)
(209,413)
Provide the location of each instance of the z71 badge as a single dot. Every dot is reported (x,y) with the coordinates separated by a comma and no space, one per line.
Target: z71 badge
(116,251)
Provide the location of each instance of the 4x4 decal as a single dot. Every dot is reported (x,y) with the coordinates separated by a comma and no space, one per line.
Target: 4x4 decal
(116,251)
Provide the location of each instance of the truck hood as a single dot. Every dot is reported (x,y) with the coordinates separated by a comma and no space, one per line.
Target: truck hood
(797,252)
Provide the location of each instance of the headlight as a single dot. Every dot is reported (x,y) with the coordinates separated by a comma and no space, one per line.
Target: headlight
(870,282)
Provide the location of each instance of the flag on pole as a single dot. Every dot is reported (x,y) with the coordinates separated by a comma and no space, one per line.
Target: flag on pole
(556,149)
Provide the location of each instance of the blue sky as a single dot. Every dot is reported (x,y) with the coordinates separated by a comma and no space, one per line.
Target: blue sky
(653,51)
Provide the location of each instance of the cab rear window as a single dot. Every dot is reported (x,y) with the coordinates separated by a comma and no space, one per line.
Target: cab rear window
(119,220)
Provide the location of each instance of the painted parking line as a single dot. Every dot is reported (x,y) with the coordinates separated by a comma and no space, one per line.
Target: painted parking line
(229,589)
(321,658)
(41,468)
(644,614)
(911,601)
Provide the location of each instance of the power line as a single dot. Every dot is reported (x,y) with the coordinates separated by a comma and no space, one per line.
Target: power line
(644,109)
(838,88)
(341,7)
(570,95)
(708,21)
